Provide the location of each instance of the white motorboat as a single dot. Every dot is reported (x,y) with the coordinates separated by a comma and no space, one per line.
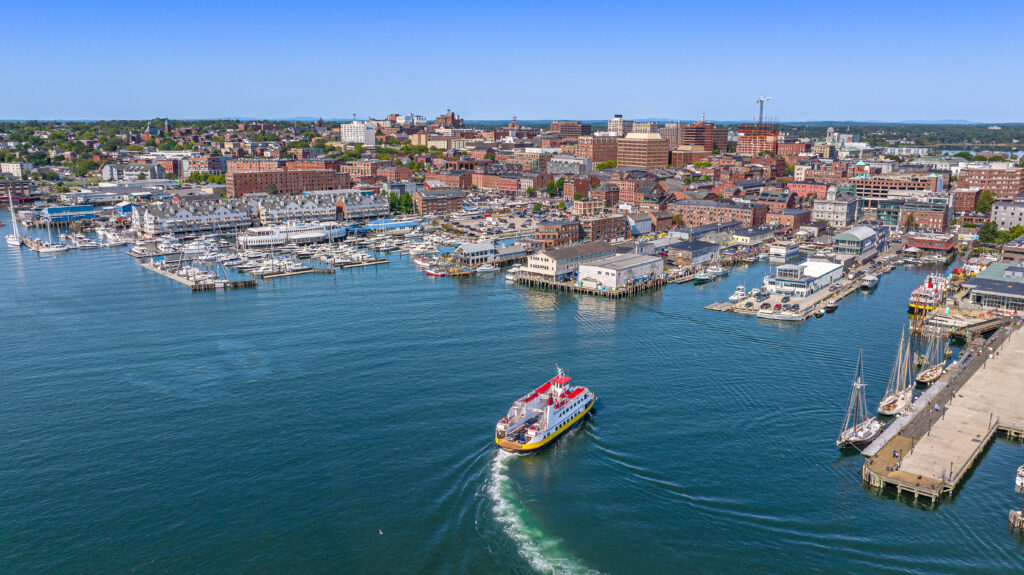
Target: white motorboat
(739,294)
(868,282)
(486,268)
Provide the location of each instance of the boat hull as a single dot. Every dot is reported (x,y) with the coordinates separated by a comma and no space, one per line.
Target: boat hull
(516,447)
(929,375)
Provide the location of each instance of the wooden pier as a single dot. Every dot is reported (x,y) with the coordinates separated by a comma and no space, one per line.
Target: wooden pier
(634,289)
(928,451)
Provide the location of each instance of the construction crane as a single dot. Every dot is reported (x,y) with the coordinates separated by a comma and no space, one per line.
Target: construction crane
(760,101)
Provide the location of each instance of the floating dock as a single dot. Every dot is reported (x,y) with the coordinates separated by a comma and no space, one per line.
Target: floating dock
(200,286)
(298,272)
(928,451)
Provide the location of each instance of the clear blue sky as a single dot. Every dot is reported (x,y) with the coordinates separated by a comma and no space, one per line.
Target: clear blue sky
(868,60)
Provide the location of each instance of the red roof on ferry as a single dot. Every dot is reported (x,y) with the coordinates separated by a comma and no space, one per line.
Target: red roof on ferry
(576,392)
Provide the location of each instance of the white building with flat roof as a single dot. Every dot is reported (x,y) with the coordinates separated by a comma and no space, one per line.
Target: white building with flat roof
(359,132)
(802,280)
(619,271)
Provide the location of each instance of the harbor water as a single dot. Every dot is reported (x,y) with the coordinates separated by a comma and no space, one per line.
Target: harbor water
(344,424)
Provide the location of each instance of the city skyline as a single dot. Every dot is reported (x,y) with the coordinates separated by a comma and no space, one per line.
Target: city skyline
(319,59)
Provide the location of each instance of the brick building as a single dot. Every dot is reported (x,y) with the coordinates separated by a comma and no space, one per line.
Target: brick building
(789,218)
(553,234)
(1002,179)
(577,185)
(704,134)
(285,182)
(966,199)
(703,212)
(807,188)
(438,201)
(452,179)
(598,148)
(570,128)
(757,138)
(604,228)
(643,151)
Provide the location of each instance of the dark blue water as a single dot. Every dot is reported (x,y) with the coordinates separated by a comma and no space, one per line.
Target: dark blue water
(145,429)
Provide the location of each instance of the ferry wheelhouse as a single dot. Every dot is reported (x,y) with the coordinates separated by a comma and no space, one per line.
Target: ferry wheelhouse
(930,294)
(539,417)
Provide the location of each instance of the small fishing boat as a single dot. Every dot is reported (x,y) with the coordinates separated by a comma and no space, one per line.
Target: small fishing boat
(421,262)
(739,294)
(819,314)
(701,278)
(717,271)
(1020,478)
(858,429)
(486,268)
(436,273)
(831,305)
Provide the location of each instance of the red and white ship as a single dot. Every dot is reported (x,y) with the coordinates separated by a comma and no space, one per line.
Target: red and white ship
(930,294)
(539,417)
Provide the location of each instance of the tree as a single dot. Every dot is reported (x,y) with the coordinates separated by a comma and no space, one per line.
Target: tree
(271,189)
(552,189)
(531,192)
(537,208)
(607,165)
(577,196)
(790,170)
(911,223)
(985,201)
(561,206)
(488,156)
(989,233)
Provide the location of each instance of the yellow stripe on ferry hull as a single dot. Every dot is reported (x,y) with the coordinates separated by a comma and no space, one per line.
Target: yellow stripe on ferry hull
(525,447)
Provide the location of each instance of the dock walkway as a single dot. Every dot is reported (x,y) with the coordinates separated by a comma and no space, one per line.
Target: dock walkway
(928,451)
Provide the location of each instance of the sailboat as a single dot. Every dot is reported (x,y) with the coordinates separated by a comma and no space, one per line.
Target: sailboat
(858,429)
(14,239)
(900,391)
(934,359)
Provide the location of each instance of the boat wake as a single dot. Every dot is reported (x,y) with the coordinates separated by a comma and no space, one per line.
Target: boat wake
(541,551)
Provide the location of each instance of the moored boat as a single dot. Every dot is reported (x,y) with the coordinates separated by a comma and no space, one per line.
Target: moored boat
(858,429)
(869,281)
(831,305)
(899,393)
(739,294)
(541,416)
(1020,478)
(701,278)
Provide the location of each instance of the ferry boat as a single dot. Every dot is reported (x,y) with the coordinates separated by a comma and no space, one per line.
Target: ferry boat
(930,294)
(539,417)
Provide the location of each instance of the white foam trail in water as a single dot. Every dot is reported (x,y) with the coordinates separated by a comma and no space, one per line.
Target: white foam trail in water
(542,552)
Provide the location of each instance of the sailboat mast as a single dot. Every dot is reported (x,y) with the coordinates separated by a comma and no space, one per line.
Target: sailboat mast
(14,220)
